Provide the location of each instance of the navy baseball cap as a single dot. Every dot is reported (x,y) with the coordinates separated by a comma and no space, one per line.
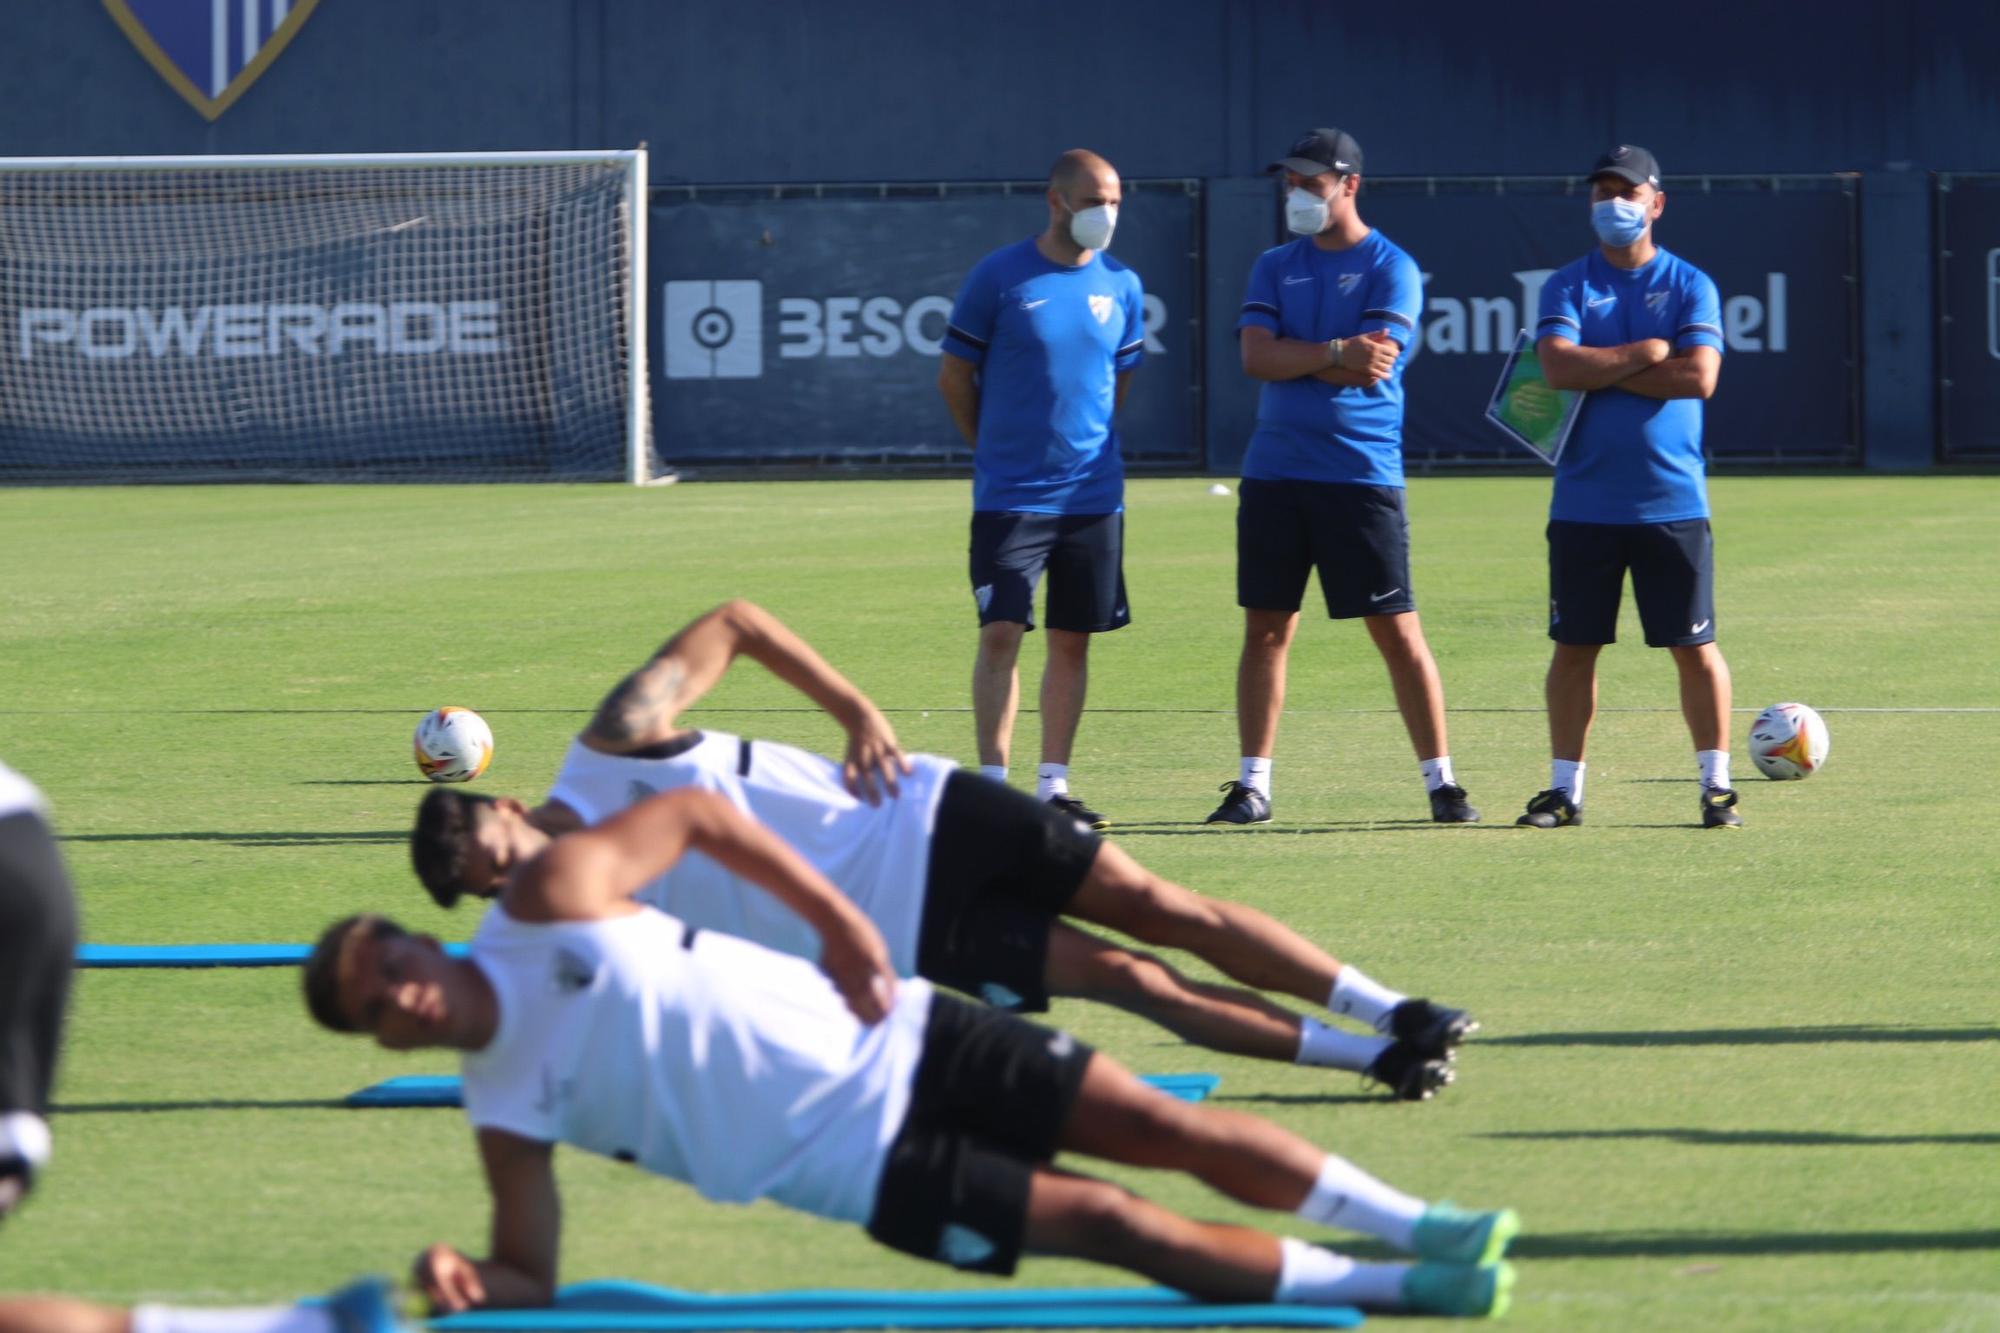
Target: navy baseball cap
(1318,151)
(1634,166)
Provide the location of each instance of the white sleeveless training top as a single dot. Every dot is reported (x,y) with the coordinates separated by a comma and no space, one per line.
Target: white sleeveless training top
(878,855)
(17,795)
(715,1062)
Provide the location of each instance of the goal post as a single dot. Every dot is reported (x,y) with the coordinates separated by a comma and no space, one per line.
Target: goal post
(325,317)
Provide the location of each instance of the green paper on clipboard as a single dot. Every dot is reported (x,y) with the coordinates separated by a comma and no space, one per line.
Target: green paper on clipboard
(1536,416)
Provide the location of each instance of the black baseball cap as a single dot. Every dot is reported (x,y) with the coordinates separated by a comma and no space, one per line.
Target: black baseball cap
(1635,166)
(1318,151)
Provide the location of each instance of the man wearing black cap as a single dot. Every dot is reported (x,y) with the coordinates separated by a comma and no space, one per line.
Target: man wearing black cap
(1640,330)
(1324,324)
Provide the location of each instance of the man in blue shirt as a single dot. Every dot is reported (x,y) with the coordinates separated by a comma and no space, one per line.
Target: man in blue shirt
(1042,343)
(1640,330)
(1324,324)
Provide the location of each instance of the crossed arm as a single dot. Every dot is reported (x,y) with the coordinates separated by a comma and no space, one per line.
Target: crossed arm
(1650,368)
(1364,360)
(644,708)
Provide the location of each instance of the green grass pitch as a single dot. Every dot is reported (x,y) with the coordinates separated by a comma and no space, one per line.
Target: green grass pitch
(1732,1081)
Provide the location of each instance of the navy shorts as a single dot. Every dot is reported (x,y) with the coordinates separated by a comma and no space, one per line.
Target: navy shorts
(988,1105)
(1083,553)
(1673,581)
(1356,536)
(1003,867)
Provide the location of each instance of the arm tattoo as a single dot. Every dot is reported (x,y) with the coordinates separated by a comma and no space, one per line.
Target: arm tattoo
(641,701)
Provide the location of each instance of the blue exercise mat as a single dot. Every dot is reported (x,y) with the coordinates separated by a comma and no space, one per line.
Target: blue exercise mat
(203,955)
(616,1307)
(442,1089)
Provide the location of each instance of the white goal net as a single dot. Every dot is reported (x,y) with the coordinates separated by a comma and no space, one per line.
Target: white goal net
(381,317)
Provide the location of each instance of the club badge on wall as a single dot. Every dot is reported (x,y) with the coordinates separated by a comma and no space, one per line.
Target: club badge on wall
(210,51)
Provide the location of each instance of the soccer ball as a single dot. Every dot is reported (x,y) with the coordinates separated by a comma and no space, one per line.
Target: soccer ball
(1788,742)
(453,745)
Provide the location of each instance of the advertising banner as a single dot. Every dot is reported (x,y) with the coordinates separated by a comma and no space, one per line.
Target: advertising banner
(802,325)
(1968,212)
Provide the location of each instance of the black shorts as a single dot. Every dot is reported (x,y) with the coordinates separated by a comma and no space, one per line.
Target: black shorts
(1357,536)
(1085,557)
(37,952)
(1003,867)
(992,1094)
(1673,581)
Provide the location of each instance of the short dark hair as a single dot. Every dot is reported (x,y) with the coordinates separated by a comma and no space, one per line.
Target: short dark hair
(323,968)
(445,821)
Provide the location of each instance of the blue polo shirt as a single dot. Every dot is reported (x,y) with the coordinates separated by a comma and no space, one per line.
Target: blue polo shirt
(1049,341)
(1307,429)
(1632,459)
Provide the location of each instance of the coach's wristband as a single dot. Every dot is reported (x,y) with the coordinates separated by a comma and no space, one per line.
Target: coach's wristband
(1336,346)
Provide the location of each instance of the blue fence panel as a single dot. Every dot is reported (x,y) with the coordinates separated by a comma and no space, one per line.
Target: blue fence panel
(797,325)
(1968,285)
(1782,251)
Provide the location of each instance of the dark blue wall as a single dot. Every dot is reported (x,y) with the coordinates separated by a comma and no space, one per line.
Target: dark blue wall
(729,91)
(807,90)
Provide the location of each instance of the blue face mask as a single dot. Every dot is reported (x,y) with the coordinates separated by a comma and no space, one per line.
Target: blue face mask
(1618,222)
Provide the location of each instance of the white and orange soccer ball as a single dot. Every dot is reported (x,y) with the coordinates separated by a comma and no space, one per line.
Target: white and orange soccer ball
(453,745)
(1788,742)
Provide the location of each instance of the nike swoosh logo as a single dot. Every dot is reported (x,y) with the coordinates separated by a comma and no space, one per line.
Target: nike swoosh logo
(1698,628)
(1293,281)
(1379,596)
(1030,305)
(1595,302)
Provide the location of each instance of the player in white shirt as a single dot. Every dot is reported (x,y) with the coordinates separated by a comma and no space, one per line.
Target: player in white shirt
(586,1018)
(972,884)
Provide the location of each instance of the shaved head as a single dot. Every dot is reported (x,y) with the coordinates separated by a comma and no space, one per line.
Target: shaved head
(1080,168)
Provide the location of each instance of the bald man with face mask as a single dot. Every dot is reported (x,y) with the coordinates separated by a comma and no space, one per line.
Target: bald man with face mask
(1040,349)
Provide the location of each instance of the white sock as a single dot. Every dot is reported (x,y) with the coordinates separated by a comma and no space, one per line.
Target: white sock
(26,1136)
(1334,1048)
(1437,773)
(1568,775)
(1714,767)
(1051,780)
(1357,995)
(1313,1275)
(269,1319)
(1346,1196)
(1255,773)
(998,772)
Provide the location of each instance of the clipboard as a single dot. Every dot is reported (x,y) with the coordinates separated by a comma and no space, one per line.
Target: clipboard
(1541,431)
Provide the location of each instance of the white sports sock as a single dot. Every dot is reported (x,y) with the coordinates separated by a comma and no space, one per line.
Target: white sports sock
(1714,767)
(1051,780)
(1255,773)
(269,1319)
(1357,995)
(998,772)
(1346,1196)
(1437,773)
(1334,1048)
(1568,775)
(1313,1275)
(26,1136)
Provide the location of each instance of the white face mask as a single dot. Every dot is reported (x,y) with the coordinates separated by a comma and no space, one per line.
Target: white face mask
(1092,228)
(1305,212)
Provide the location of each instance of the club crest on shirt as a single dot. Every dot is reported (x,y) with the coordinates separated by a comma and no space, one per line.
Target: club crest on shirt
(1100,306)
(1348,282)
(573,971)
(1656,301)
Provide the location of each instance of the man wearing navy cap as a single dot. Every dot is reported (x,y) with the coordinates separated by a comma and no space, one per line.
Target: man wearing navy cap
(1324,324)
(1640,330)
